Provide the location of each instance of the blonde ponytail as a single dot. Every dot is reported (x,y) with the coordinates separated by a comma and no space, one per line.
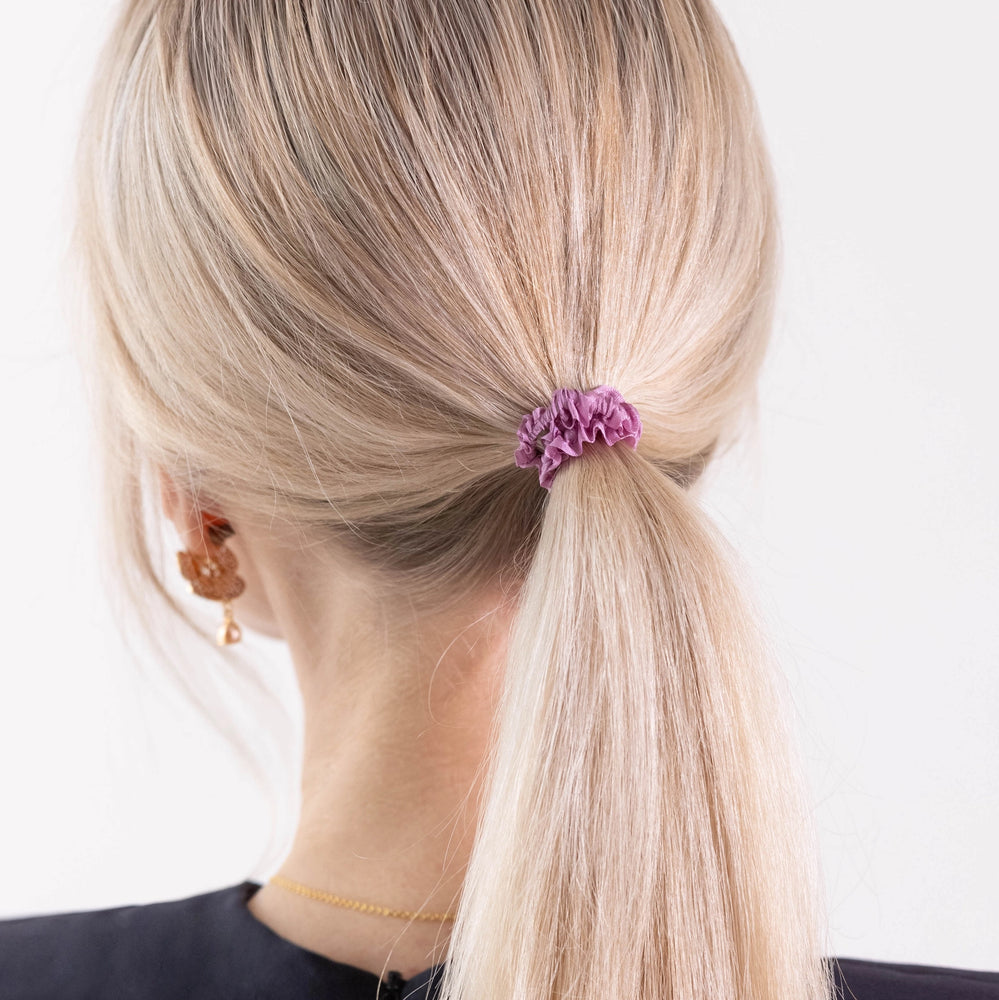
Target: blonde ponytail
(646,833)
(336,251)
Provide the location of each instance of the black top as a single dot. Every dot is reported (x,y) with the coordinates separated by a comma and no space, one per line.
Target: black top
(211,947)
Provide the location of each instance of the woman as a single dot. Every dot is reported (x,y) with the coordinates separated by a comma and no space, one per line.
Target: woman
(422,321)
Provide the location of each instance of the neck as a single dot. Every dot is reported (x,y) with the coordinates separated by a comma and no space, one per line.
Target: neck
(395,739)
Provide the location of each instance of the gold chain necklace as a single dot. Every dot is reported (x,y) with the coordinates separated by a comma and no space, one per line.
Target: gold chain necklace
(353,904)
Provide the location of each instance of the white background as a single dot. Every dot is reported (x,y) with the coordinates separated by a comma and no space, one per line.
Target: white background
(866,505)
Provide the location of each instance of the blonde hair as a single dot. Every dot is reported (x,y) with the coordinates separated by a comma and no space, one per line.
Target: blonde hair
(336,251)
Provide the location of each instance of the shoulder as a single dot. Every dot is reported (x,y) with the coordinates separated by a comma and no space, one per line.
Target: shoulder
(152,950)
(862,979)
(205,946)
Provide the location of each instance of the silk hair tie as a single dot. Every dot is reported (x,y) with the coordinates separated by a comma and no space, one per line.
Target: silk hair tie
(549,435)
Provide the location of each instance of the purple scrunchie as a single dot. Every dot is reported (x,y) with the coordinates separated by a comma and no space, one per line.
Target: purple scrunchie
(572,418)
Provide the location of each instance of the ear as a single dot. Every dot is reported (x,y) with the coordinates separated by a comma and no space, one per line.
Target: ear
(202,529)
(195,524)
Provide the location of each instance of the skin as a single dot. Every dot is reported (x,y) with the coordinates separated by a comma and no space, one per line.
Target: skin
(398,705)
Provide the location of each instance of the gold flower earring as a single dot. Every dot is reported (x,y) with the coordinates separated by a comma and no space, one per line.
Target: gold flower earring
(214,576)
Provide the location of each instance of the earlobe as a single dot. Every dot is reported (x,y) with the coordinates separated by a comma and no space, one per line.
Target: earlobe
(206,562)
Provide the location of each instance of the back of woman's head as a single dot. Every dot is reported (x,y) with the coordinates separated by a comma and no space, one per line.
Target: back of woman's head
(336,252)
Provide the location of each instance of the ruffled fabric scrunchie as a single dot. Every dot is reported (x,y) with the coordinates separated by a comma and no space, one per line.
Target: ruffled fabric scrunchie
(570,420)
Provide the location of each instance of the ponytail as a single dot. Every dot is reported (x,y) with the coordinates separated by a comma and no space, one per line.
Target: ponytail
(644,833)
